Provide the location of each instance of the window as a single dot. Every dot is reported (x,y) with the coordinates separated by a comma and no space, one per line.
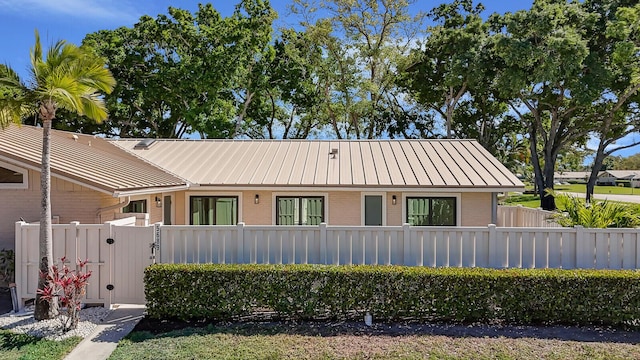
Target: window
(299,210)
(214,210)
(431,211)
(12,177)
(136,206)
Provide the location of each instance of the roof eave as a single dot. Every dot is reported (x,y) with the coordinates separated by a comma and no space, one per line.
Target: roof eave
(150,190)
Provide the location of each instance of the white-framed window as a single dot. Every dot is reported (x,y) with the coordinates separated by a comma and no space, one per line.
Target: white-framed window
(306,208)
(213,208)
(136,206)
(424,209)
(13,177)
(374,208)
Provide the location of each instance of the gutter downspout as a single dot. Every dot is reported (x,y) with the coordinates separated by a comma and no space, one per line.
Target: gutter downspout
(112,207)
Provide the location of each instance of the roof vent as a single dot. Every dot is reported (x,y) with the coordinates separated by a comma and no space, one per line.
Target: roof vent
(144,144)
(333,153)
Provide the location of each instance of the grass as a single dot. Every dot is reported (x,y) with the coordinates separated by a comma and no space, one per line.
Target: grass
(255,341)
(531,201)
(605,190)
(26,347)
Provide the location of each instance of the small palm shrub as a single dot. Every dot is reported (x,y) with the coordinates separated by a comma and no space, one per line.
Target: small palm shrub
(601,214)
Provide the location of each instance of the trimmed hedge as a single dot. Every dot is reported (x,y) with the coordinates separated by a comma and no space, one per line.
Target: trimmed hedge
(391,293)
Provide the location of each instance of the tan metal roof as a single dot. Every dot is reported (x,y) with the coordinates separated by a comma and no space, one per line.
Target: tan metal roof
(358,163)
(87,159)
(621,174)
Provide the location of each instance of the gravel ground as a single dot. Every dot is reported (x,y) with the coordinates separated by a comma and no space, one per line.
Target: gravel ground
(52,329)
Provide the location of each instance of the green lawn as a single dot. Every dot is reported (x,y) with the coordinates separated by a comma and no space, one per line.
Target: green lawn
(582,188)
(257,341)
(22,346)
(531,201)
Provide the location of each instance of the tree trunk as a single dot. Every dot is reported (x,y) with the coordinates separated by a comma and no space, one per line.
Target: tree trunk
(44,310)
(593,176)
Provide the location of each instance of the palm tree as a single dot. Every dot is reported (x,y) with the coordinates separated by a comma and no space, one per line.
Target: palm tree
(70,77)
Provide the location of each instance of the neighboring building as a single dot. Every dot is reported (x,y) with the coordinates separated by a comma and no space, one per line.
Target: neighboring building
(572,176)
(258,182)
(609,177)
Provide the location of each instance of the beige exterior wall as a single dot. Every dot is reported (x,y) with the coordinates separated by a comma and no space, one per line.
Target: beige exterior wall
(344,207)
(69,201)
(476,209)
(394,212)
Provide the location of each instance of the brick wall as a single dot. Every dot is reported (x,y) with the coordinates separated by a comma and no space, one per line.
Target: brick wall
(69,201)
(476,209)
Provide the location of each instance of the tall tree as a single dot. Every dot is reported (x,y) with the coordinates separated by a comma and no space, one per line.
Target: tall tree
(70,78)
(289,97)
(182,73)
(550,77)
(451,60)
(615,41)
(363,42)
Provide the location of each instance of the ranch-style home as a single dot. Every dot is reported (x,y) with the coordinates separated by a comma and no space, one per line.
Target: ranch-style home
(257,182)
(609,177)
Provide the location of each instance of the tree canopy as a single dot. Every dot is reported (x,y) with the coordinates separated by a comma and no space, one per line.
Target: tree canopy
(532,86)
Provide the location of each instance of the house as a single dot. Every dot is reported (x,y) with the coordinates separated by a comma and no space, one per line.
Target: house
(258,182)
(609,177)
(572,176)
(91,179)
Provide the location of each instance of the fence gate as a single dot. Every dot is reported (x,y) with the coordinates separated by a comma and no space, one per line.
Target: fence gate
(131,254)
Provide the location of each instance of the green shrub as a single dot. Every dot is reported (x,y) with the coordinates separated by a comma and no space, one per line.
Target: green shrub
(597,214)
(392,293)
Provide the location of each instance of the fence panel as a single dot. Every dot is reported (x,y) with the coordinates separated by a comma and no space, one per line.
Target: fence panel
(520,216)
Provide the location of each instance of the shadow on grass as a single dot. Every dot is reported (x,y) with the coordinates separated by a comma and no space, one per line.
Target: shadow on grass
(150,328)
(10,341)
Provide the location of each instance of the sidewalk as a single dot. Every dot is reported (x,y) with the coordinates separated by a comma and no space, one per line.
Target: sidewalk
(106,336)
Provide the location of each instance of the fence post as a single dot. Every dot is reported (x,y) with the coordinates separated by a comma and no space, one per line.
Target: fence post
(406,244)
(240,242)
(323,243)
(584,255)
(73,235)
(494,261)
(18,261)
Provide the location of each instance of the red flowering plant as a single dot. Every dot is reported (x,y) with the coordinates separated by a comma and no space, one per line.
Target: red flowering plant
(66,287)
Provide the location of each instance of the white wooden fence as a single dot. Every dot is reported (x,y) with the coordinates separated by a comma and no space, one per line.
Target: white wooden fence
(119,253)
(109,261)
(491,246)
(520,216)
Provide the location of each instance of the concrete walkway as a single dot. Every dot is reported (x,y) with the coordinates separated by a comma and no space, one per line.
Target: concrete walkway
(106,336)
(611,197)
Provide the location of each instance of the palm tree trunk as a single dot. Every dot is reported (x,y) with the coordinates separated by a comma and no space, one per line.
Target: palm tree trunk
(45,310)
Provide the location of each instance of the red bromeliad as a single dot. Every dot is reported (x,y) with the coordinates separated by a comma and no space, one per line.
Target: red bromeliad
(67,287)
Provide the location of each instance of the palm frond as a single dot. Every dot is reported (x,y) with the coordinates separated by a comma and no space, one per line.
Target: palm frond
(94,108)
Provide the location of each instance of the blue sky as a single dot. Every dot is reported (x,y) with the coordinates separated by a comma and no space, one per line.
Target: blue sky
(71,20)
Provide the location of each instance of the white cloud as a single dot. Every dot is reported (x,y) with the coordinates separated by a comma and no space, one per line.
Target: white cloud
(85,9)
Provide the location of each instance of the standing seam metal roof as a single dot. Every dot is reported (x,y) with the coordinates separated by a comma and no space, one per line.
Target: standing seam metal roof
(358,163)
(87,159)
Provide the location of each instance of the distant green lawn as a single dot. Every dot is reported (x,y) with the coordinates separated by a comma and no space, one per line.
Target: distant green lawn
(582,188)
